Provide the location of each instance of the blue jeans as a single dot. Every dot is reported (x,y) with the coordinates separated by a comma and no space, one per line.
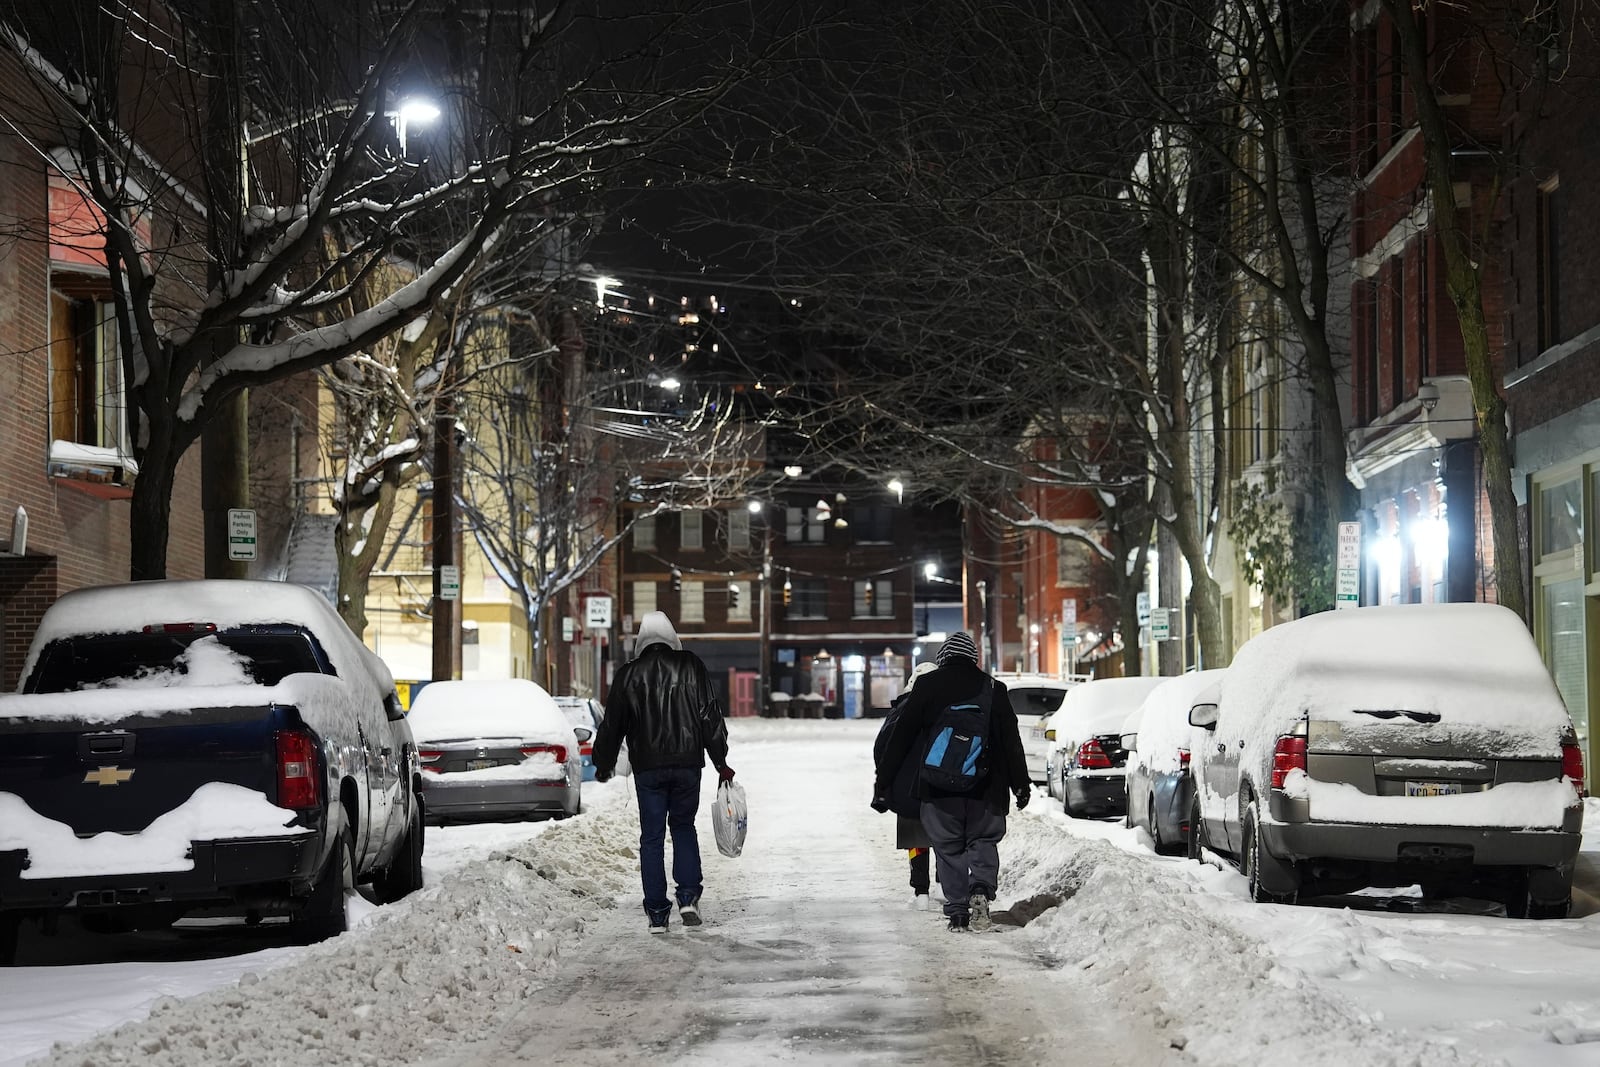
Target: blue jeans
(669,797)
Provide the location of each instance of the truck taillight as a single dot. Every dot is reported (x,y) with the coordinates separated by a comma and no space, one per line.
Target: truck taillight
(298,786)
(558,752)
(1288,755)
(1572,763)
(1183,759)
(429,758)
(1091,757)
(181,628)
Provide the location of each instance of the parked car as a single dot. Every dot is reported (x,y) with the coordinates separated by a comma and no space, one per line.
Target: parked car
(219,745)
(1160,789)
(1086,760)
(1392,746)
(1035,697)
(584,713)
(495,748)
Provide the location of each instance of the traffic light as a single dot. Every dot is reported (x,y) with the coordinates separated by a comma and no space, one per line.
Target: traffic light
(733,596)
(788,592)
(677,580)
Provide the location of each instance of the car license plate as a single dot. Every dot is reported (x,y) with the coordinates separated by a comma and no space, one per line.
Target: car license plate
(481,764)
(1432,789)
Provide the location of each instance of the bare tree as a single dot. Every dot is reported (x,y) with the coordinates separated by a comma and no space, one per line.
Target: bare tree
(247,192)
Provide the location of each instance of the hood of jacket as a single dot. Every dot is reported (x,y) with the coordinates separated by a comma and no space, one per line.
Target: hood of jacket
(656,629)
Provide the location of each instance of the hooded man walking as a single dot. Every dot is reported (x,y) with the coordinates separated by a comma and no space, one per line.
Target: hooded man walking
(958,721)
(662,704)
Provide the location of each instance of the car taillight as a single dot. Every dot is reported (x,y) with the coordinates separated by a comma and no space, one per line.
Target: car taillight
(428,757)
(558,752)
(586,749)
(298,786)
(1572,764)
(1289,755)
(1183,760)
(1092,757)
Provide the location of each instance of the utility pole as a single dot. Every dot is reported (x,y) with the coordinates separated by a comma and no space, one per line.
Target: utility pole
(225,437)
(446,619)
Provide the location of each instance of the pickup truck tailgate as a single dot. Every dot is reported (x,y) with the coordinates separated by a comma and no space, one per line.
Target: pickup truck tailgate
(98,778)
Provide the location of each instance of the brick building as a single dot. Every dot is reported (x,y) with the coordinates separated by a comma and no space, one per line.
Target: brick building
(1412,452)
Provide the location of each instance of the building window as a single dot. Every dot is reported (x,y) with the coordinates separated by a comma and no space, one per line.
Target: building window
(802,525)
(874,599)
(873,525)
(1547,272)
(1560,516)
(1397,332)
(738,529)
(1372,338)
(1074,561)
(86,397)
(692,602)
(644,598)
(644,533)
(1560,571)
(808,599)
(691,530)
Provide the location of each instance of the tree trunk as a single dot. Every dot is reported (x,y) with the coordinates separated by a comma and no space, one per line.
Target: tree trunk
(1464,282)
(358,544)
(150,515)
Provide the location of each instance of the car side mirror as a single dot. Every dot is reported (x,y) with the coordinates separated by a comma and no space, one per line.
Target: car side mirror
(1204,715)
(1128,741)
(584,733)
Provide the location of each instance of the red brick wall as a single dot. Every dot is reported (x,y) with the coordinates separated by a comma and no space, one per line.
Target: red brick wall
(27,587)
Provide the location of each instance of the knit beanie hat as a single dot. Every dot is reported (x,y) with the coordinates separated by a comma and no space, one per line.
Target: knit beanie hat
(959,645)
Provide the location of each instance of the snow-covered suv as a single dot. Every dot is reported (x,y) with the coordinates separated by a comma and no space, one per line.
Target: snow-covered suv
(1392,746)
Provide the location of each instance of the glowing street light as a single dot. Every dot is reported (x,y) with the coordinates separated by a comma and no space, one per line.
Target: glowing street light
(670,384)
(898,488)
(793,470)
(601,284)
(929,570)
(754,506)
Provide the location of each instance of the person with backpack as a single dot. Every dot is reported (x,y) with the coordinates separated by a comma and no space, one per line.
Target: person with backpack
(959,722)
(908,831)
(663,704)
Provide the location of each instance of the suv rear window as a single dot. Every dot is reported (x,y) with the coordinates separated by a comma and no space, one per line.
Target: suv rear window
(73,663)
(1035,700)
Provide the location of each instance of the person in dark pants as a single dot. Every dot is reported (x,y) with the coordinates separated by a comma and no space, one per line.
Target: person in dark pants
(908,831)
(965,827)
(663,705)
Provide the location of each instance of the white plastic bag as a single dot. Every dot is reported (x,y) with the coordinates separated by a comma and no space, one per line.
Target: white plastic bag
(729,818)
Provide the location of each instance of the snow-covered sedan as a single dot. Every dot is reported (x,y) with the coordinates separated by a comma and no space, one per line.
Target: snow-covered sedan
(1393,746)
(1159,786)
(1035,697)
(584,713)
(495,749)
(1086,760)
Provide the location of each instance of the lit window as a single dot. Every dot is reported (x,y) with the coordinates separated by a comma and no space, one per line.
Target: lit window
(692,602)
(691,534)
(644,533)
(644,598)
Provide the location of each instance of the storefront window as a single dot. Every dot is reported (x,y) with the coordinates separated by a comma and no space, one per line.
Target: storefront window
(1560,516)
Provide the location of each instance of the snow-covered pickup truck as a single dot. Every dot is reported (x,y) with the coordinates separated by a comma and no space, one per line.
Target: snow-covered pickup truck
(215,746)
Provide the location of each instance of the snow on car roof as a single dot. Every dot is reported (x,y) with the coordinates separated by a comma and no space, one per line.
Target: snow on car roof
(1164,718)
(1101,705)
(224,602)
(503,707)
(1474,665)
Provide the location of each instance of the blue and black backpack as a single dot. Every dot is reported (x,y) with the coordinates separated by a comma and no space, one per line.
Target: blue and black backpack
(957,760)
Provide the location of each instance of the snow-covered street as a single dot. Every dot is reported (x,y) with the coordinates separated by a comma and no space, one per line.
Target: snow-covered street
(528,946)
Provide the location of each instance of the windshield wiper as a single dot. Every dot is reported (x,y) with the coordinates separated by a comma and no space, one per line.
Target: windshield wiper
(1395,713)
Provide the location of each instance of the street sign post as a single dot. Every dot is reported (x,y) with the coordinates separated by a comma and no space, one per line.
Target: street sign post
(597,613)
(1347,576)
(241,534)
(449,582)
(1160,624)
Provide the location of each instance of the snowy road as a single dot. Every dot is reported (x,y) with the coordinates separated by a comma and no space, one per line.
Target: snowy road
(528,946)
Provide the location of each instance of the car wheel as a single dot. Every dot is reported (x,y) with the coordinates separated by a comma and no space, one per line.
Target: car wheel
(1541,893)
(1271,880)
(404,875)
(324,914)
(1194,842)
(10,933)
(1153,824)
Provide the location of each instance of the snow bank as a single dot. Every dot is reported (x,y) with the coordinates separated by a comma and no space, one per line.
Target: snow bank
(422,979)
(216,811)
(1164,728)
(499,708)
(1150,937)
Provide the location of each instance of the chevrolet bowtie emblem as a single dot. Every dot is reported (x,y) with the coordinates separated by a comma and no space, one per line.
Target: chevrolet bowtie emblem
(107,776)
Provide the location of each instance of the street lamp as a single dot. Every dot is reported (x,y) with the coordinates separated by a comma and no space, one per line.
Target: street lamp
(898,488)
(413,109)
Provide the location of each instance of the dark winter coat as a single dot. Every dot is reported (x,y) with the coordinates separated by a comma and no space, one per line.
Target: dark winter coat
(955,682)
(663,705)
(902,779)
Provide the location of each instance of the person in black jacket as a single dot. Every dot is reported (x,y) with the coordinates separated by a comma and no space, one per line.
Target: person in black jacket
(662,704)
(965,828)
(908,831)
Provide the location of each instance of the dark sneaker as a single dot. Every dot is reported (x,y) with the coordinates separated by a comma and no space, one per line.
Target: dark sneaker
(979,911)
(958,924)
(689,913)
(658,923)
